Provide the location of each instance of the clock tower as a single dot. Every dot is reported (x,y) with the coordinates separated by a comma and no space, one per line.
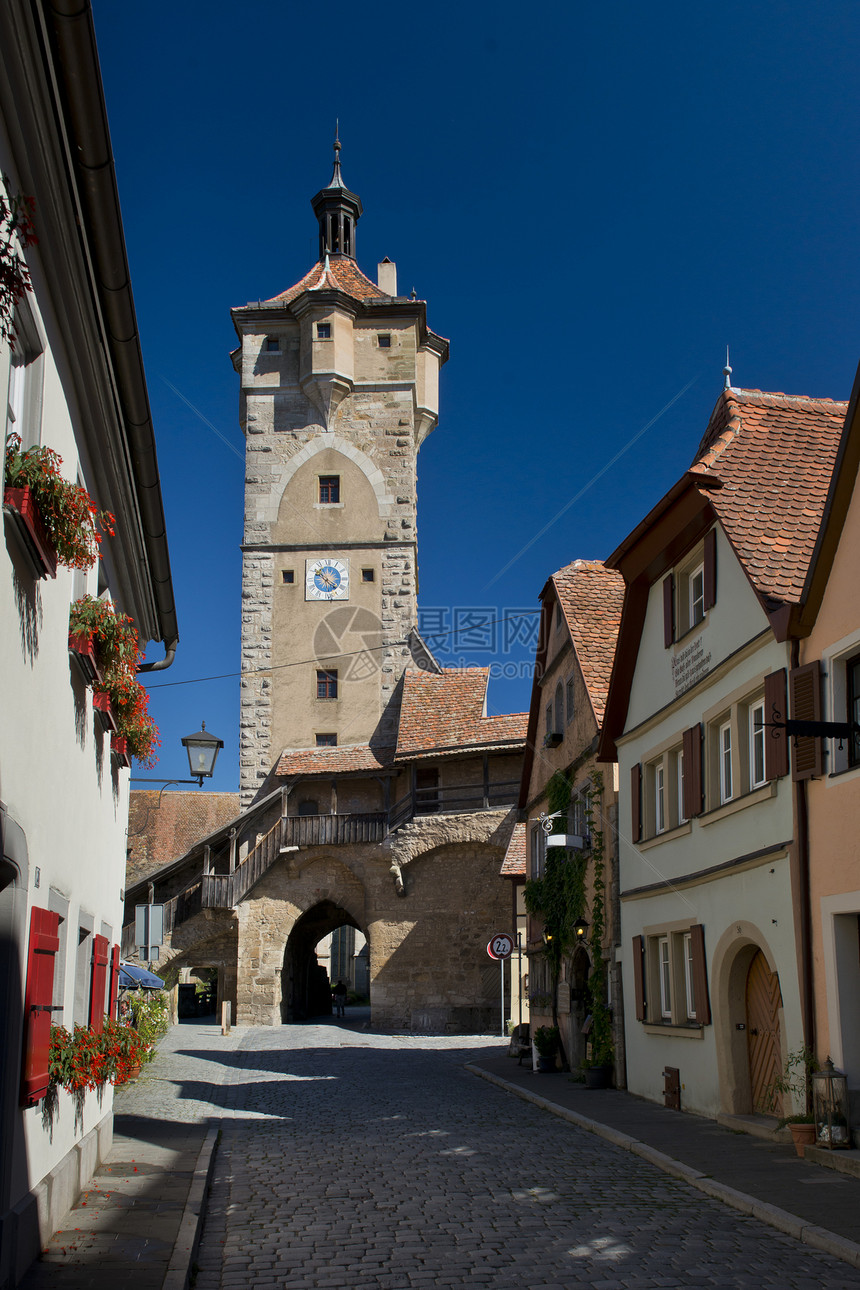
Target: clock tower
(339,388)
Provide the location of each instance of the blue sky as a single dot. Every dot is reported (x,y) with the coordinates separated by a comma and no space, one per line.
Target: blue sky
(594,200)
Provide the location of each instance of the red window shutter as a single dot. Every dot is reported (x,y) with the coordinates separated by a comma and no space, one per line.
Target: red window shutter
(636,801)
(700,975)
(668,610)
(97,986)
(639,976)
(693,772)
(710,569)
(805,687)
(114,980)
(38,998)
(775,709)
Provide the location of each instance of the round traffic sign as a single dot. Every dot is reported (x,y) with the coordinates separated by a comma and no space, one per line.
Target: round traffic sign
(501,946)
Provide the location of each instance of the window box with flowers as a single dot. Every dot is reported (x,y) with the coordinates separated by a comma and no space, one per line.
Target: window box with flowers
(83,651)
(58,521)
(118,695)
(119,748)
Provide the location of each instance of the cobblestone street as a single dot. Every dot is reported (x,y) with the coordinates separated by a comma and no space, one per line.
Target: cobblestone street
(357,1160)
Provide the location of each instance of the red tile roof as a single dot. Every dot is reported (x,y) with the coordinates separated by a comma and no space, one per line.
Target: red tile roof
(334,761)
(591,597)
(338,273)
(446,712)
(514,863)
(160,831)
(773,455)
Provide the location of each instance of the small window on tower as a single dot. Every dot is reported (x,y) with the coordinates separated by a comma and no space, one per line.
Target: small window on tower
(288,576)
(384,341)
(326,741)
(326,685)
(368,575)
(273,344)
(323,331)
(329,489)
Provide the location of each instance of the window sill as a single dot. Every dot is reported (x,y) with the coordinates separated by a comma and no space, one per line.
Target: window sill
(739,803)
(328,506)
(666,836)
(679,640)
(844,771)
(669,1028)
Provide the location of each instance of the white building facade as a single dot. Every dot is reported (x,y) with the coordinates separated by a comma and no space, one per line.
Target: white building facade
(74,383)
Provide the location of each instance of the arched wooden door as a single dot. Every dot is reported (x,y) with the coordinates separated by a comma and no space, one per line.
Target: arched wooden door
(763,1001)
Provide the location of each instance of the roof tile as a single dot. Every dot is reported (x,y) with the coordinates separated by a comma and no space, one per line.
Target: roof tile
(446,711)
(591,597)
(514,863)
(334,761)
(774,456)
(338,273)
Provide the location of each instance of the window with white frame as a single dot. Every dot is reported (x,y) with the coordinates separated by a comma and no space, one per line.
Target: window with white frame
(724,754)
(679,786)
(689,977)
(757,773)
(664,967)
(696,595)
(674,973)
(660,797)
(843,704)
(24,395)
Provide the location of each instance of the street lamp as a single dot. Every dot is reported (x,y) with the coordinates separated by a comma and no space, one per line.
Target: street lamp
(580,927)
(202,751)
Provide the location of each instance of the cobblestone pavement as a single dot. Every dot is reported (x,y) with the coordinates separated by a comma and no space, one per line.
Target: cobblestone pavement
(352,1160)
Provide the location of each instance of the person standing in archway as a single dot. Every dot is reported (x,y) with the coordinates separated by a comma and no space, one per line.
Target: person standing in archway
(339,997)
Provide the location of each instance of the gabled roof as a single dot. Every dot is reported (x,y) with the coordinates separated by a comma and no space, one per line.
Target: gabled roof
(163,826)
(773,455)
(445,712)
(591,597)
(762,470)
(514,863)
(334,273)
(334,761)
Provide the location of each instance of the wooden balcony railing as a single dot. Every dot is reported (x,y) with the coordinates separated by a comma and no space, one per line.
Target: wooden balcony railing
(334,830)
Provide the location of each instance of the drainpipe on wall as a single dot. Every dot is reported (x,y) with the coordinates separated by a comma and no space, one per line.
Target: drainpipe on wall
(807,991)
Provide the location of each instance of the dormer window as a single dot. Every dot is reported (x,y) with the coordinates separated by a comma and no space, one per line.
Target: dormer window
(323,331)
(690,591)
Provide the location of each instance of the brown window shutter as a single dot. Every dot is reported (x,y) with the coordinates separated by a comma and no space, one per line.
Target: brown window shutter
(639,976)
(700,975)
(693,772)
(710,570)
(775,709)
(44,943)
(114,981)
(668,610)
(636,801)
(805,688)
(101,957)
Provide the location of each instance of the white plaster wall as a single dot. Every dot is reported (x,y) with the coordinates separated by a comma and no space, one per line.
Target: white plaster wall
(56,777)
(760,896)
(735,618)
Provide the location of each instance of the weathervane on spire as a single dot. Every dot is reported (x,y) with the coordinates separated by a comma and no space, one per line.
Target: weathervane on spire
(336,177)
(727,372)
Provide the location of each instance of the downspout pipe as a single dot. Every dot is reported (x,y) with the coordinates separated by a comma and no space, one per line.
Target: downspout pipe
(807,989)
(71,30)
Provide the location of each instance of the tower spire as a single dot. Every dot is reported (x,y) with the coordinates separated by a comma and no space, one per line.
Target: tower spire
(338,210)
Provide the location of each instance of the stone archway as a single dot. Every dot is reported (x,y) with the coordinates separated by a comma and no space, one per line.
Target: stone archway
(737,948)
(305,989)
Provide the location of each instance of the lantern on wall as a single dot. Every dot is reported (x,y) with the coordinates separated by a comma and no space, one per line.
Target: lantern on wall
(830,1107)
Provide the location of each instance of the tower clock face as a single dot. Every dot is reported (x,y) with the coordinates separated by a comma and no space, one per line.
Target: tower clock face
(327,579)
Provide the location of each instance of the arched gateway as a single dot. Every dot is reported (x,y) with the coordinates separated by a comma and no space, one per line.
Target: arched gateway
(305,987)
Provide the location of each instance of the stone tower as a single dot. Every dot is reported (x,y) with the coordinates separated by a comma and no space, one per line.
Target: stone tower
(339,388)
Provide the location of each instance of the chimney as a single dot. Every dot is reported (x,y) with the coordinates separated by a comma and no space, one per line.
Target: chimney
(386,276)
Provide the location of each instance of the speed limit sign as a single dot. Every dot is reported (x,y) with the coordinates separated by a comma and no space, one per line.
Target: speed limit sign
(501,946)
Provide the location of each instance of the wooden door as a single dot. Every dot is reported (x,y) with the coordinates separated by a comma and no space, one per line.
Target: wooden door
(763,1000)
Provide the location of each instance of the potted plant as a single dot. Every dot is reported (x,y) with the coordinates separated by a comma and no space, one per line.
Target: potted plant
(794,1084)
(58,519)
(546,1043)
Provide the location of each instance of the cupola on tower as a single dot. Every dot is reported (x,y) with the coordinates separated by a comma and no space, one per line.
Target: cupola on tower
(339,388)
